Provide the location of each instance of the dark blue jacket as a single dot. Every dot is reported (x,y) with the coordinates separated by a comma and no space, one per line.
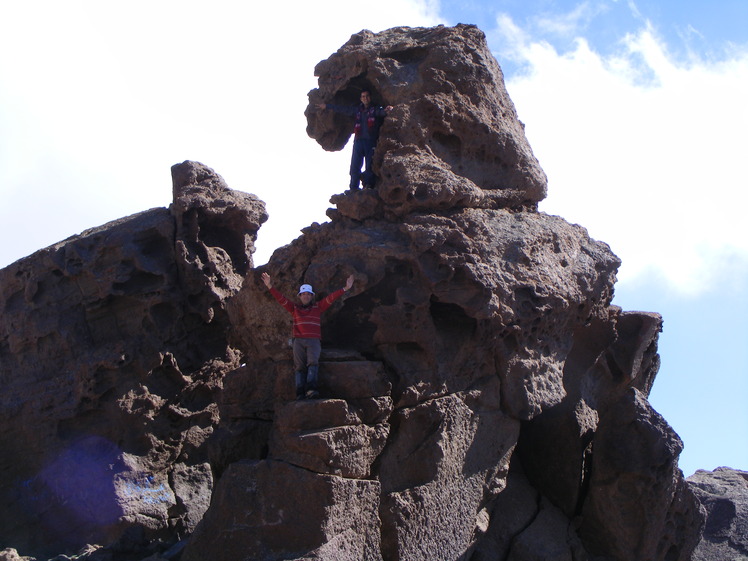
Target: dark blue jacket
(368,120)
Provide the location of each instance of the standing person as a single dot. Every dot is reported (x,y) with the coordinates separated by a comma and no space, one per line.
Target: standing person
(365,135)
(307,332)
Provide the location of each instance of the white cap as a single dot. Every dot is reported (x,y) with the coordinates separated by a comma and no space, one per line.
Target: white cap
(306,288)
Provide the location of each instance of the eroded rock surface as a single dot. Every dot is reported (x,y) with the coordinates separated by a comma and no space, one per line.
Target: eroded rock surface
(287,512)
(453,139)
(724,494)
(481,399)
(112,345)
(496,331)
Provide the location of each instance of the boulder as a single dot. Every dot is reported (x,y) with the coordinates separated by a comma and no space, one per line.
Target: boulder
(453,139)
(270,510)
(112,345)
(447,462)
(724,494)
(327,436)
(638,505)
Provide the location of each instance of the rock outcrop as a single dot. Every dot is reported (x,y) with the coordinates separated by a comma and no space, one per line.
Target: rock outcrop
(453,139)
(481,399)
(112,345)
(724,493)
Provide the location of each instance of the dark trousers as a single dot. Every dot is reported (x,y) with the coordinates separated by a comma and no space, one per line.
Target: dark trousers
(306,363)
(363,153)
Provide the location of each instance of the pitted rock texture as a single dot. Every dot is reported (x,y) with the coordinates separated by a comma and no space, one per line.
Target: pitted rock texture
(480,399)
(453,138)
(112,345)
(506,280)
(634,468)
(287,512)
(496,331)
(216,228)
(724,494)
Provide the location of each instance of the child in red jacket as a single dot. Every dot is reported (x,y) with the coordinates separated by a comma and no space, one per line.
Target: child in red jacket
(307,332)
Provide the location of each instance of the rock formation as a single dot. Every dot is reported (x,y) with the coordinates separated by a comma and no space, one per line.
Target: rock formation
(112,346)
(724,493)
(481,398)
(453,139)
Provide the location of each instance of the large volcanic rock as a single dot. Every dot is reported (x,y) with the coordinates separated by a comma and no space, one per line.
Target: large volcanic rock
(112,346)
(453,138)
(724,493)
(492,323)
(481,399)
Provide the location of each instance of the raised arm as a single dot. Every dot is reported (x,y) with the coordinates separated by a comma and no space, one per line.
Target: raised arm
(282,300)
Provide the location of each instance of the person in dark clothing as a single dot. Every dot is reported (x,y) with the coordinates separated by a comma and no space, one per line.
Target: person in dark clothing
(365,135)
(307,332)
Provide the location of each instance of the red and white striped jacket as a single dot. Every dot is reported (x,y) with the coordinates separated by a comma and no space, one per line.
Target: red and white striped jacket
(307,320)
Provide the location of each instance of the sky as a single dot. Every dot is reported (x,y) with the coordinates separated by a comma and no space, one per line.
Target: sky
(636,110)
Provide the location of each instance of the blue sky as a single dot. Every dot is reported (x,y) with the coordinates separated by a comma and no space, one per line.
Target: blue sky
(706,28)
(635,109)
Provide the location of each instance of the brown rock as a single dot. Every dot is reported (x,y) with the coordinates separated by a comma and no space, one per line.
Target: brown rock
(327,436)
(315,414)
(358,379)
(10,554)
(724,494)
(556,446)
(547,538)
(449,456)
(638,505)
(269,510)
(453,138)
(347,451)
(112,343)
(216,228)
(432,305)
(144,360)
(513,511)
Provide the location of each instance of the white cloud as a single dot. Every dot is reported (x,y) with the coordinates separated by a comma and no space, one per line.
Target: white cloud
(569,23)
(645,151)
(99,100)
(634,9)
